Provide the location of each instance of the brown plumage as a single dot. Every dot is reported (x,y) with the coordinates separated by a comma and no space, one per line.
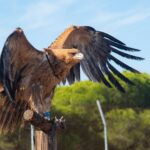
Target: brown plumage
(28,76)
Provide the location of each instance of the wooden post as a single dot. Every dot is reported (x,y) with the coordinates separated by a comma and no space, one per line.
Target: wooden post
(45,133)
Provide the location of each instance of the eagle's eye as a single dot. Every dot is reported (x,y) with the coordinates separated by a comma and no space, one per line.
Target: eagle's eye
(73,53)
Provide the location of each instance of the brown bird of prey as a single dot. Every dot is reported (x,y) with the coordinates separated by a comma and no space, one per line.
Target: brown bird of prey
(29,76)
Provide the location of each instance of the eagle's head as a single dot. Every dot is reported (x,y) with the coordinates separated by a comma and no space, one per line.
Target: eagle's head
(68,56)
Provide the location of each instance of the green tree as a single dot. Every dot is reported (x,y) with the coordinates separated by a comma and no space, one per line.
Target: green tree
(127,116)
(128,129)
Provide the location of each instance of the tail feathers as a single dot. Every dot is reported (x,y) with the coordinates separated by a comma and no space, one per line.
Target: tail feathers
(11,115)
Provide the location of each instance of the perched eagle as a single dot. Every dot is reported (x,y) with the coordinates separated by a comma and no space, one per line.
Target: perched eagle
(29,76)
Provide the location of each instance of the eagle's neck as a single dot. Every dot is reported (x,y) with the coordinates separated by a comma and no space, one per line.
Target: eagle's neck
(56,69)
(59,68)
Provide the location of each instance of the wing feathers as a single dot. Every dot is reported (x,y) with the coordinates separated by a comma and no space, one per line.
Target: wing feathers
(11,115)
(76,70)
(109,37)
(123,47)
(97,48)
(71,77)
(126,55)
(117,61)
(121,76)
(113,80)
(17,53)
(95,69)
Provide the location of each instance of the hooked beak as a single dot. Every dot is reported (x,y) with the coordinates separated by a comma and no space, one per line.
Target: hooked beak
(78,56)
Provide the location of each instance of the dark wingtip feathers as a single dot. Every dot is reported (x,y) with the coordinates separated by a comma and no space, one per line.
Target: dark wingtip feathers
(109,37)
(123,65)
(121,76)
(125,54)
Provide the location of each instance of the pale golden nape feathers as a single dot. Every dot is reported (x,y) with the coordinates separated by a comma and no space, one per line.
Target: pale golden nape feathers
(59,42)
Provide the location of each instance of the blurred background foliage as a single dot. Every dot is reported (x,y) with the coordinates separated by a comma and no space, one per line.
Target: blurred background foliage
(127,114)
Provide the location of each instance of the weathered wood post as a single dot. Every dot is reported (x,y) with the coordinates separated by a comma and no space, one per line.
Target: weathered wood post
(45,138)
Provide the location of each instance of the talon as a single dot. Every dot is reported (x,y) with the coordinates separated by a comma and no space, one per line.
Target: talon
(22,88)
(56,119)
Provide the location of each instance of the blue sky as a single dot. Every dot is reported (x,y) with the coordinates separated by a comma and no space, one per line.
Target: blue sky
(43,20)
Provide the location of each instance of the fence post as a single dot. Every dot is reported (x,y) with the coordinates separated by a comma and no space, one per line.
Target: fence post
(32,137)
(104,123)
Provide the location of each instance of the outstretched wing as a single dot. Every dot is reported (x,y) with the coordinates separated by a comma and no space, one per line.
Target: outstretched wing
(97,48)
(16,55)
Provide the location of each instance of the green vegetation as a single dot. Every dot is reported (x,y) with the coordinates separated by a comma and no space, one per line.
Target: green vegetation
(128,117)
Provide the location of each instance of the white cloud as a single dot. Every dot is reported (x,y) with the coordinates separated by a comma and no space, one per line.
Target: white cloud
(41,14)
(115,20)
(132,18)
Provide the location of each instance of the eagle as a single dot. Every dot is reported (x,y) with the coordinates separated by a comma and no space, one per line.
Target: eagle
(28,76)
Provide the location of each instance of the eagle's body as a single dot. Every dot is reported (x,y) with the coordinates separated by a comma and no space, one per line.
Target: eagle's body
(28,76)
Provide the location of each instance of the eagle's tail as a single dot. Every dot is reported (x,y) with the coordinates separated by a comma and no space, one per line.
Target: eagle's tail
(11,114)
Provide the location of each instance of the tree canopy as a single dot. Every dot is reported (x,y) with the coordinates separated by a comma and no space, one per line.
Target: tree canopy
(128,117)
